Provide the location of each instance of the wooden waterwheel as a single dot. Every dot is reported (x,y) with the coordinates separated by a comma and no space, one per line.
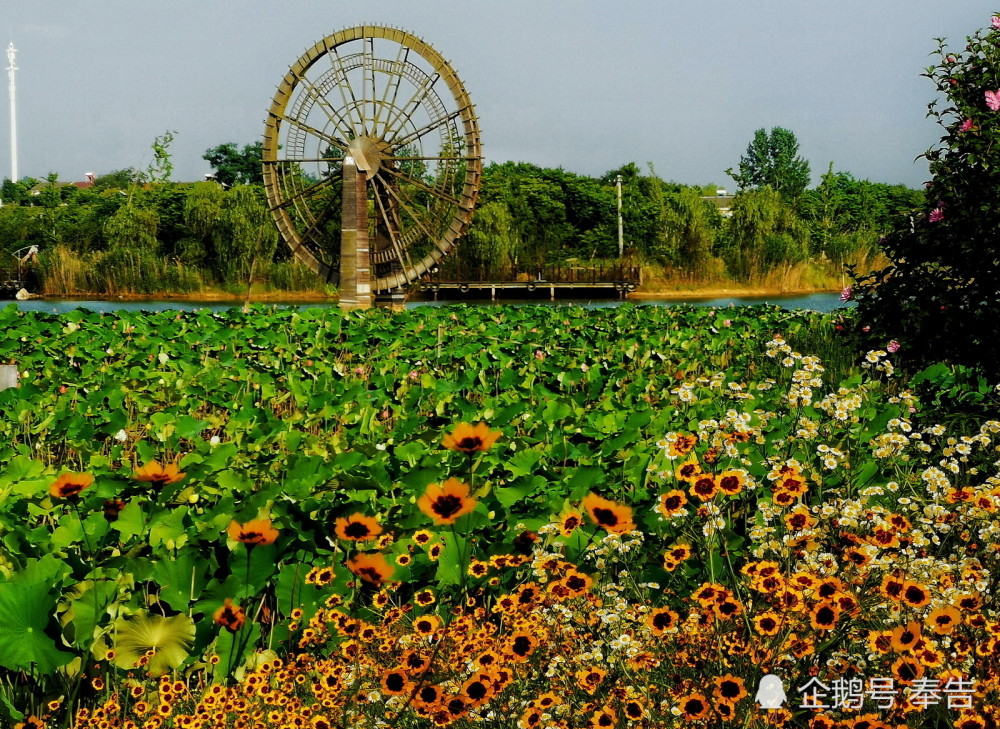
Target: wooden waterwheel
(372,160)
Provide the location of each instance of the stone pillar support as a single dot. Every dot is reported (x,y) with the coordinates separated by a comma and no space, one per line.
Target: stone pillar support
(355,264)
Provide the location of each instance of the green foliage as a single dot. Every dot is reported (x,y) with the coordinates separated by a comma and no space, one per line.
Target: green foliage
(772,160)
(244,234)
(763,232)
(938,296)
(305,416)
(235,166)
(162,166)
(133,227)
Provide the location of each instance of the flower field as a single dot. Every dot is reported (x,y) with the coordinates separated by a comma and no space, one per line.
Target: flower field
(486,517)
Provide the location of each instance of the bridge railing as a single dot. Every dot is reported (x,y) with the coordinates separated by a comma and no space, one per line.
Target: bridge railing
(551,273)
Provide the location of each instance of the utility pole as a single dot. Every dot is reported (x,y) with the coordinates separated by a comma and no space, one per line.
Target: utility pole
(11,51)
(621,240)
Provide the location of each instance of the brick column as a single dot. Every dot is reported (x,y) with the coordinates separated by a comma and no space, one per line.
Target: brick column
(355,265)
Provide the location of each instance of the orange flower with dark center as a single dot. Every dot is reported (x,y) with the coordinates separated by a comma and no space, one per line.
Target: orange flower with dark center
(395,682)
(229,616)
(683,444)
(569,522)
(446,502)
(671,503)
(906,669)
(589,678)
(767,623)
(634,709)
(914,594)
(357,527)
(824,616)
(799,519)
(615,518)
(688,471)
(732,482)
(158,475)
(471,438)
(784,498)
(906,636)
(371,568)
(254,532)
(603,718)
(792,485)
(521,645)
(662,620)
(729,688)
(880,641)
(577,583)
(69,485)
(704,487)
(426,625)
(694,706)
(476,689)
(892,587)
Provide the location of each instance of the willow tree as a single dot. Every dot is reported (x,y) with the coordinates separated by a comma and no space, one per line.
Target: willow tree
(244,236)
(764,231)
(202,208)
(493,241)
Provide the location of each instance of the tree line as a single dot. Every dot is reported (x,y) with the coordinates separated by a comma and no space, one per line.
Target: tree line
(135,231)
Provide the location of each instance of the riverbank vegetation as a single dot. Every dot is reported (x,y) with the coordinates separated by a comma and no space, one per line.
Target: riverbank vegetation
(131,233)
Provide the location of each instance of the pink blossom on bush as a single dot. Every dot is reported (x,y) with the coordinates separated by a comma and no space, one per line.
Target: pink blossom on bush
(995,22)
(892,347)
(966,126)
(936,215)
(845,295)
(993,100)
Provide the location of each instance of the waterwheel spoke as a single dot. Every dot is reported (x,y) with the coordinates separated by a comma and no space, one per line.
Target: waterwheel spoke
(341,124)
(340,69)
(440,194)
(395,77)
(391,226)
(407,205)
(404,112)
(334,141)
(304,192)
(425,129)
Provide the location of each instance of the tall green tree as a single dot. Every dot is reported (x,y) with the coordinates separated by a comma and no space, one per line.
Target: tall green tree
(236,166)
(772,160)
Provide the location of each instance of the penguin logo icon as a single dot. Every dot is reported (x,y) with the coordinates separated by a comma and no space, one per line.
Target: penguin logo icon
(771,692)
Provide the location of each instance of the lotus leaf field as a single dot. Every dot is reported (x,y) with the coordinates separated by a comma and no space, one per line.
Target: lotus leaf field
(537,517)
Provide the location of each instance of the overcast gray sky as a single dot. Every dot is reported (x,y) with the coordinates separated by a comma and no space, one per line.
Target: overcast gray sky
(586,85)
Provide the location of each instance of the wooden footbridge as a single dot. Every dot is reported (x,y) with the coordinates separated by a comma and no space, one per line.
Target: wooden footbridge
(529,282)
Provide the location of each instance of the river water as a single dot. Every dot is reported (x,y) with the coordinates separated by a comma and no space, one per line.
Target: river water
(824,302)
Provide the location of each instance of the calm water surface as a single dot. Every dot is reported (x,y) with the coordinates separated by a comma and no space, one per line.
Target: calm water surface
(816,302)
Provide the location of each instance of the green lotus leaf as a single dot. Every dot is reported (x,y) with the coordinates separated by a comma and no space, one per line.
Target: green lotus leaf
(25,611)
(166,640)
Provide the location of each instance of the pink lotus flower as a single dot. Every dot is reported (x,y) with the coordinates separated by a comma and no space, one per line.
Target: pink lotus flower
(539,354)
(993,100)
(892,347)
(845,295)
(936,215)
(995,22)
(966,126)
